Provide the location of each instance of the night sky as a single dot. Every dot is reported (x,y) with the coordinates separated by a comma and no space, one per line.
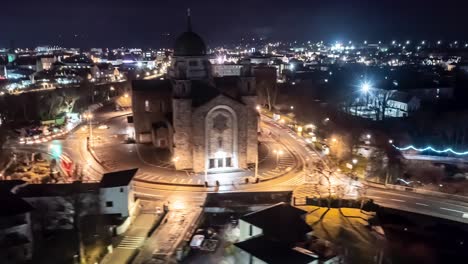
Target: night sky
(144,23)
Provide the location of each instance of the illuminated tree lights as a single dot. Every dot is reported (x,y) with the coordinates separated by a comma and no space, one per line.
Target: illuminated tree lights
(447,150)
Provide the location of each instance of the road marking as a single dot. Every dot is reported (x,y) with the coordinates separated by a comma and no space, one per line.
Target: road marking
(173,180)
(453,210)
(397,200)
(198,181)
(422,204)
(182,180)
(190,181)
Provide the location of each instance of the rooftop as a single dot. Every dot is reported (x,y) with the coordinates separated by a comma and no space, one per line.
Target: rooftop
(273,218)
(54,190)
(11,204)
(117,178)
(273,252)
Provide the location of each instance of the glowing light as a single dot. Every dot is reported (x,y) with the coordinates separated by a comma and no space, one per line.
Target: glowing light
(220,154)
(365,87)
(354,161)
(447,150)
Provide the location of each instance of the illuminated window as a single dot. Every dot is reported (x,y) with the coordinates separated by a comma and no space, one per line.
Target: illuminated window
(147,106)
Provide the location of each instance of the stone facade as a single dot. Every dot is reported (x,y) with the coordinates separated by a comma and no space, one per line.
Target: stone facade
(211,123)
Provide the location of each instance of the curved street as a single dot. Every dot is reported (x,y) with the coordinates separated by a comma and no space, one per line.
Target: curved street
(296,167)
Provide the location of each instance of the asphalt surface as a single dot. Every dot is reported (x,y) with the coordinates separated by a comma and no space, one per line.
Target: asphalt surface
(74,146)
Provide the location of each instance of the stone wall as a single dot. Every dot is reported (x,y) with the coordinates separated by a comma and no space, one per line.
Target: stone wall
(182,123)
(199,131)
(252,128)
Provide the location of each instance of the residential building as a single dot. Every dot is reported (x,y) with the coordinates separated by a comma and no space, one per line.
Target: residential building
(278,234)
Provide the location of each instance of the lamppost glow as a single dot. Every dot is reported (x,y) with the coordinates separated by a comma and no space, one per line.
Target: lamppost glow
(89,117)
(365,87)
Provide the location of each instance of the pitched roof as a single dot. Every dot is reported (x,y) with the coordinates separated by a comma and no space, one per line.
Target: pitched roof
(11,204)
(55,190)
(273,219)
(154,85)
(117,178)
(272,252)
(401,97)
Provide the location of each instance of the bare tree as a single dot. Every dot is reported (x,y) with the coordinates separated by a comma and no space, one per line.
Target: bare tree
(382,97)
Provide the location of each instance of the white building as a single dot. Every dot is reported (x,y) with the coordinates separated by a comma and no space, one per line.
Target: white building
(116,193)
(59,204)
(220,70)
(400,104)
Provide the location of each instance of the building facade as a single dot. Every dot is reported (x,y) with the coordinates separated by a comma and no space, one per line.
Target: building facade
(208,123)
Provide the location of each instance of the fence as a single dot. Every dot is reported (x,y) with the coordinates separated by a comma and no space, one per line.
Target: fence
(419,190)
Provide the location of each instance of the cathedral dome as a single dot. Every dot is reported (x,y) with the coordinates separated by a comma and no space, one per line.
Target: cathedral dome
(189,44)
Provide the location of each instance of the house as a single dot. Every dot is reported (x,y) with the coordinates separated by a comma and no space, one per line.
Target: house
(16,241)
(400,104)
(116,193)
(58,204)
(277,234)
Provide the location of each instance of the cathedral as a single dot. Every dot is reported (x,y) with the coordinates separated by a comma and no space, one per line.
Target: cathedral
(208,123)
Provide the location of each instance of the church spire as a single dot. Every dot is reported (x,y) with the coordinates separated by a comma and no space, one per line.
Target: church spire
(189,21)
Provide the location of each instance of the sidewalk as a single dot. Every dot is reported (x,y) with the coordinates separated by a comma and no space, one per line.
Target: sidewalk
(132,240)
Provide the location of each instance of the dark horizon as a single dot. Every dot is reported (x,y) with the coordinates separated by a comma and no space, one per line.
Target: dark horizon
(138,23)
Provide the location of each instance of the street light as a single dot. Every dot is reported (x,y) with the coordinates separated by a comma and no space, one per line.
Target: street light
(355,161)
(292,107)
(365,88)
(278,153)
(89,117)
(368,136)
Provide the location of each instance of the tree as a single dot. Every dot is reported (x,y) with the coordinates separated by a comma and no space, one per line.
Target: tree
(381,98)
(325,173)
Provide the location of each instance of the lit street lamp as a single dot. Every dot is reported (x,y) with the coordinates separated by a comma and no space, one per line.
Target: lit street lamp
(365,88)
(89,117)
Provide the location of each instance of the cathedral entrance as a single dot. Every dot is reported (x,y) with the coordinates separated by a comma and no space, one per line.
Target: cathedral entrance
(221,139)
